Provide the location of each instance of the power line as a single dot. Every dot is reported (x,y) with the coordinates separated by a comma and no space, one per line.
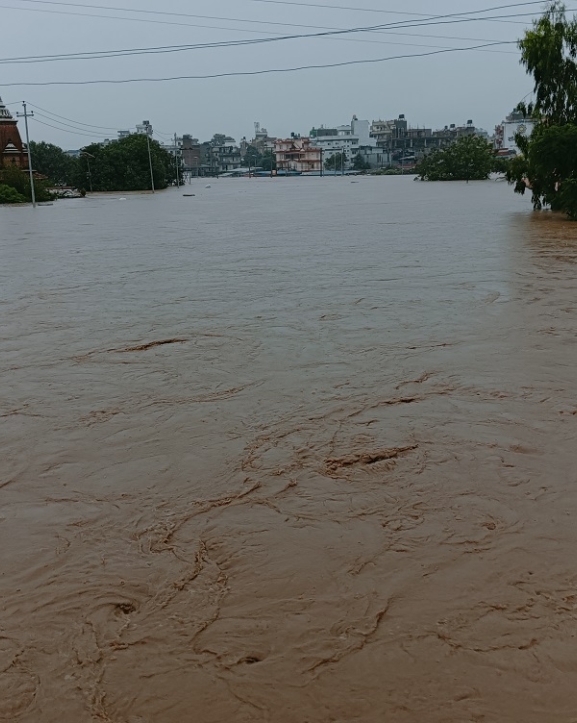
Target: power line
(401,23)
(334,7)
(78,123)
(104,55)
(265,71)
(328,33)
(62,123)
(122,52)
(245,20)
(76,133)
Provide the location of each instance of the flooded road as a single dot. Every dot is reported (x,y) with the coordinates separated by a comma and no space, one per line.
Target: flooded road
(295,451)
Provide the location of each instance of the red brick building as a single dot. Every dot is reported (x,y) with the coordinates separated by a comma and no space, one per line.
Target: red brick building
(12,151)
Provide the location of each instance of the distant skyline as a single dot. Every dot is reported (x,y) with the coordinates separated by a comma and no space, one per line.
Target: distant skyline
(483,85)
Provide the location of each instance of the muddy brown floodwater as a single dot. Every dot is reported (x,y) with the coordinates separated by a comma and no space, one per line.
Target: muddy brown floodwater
(295,451)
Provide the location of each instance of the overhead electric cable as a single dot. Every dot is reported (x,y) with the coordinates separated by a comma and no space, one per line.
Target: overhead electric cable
(333,7)
(77,133)
(265,71)
(330,32)
(75,126)
(78,123)
(376,29)
(104,55)
(246,20)
(119,52)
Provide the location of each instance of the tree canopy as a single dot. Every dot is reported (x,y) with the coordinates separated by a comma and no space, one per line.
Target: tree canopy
(52,162)
(469,158)
(15,186)
(548,161)
(123,165)
(359,164)
(336,162)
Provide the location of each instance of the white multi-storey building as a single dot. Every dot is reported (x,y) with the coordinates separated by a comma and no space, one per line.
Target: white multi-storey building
(513,124)
(346,139)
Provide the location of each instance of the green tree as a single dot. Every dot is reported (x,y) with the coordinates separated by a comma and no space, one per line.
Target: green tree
(8,194)
(548,161)
(52,162)
(336,162)
(501,165)
(19,180)
(123,165)
(469,158)
(268,161)
(252,157)
(359,164)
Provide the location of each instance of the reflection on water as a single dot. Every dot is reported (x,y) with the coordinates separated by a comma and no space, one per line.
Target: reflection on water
(290,450)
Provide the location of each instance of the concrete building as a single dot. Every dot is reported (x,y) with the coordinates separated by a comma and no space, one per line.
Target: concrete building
(374,157)
(12,151)
(219,155)
(190,149)
(144,128)
(297,155)
(262,141)
(346,139)
(505,133)
(406,144)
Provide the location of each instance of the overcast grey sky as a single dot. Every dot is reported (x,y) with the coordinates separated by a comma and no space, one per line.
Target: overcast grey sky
(482,85)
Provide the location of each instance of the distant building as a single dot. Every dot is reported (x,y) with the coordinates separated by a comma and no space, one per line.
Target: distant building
(12,151)
(219,155)
(406,144)
(262,141)
(374,157)
(297,155)
(505,133)
(190,154)
(345,139)
(144,128)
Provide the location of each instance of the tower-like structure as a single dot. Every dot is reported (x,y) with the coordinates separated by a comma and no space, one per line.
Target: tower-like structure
(12,151)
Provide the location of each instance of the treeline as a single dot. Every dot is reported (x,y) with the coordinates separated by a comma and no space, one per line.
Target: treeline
(122,165)
(548,164)
(470,158)
(15,186)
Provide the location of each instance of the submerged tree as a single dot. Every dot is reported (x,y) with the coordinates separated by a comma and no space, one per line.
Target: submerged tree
(469,158)
(548,161)
(52,162)
(336,162)
(124,165)
(19,180)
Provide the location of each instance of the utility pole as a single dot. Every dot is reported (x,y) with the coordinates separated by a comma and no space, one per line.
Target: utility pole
(176,161)
(148,134)
(89,174)
(26,115)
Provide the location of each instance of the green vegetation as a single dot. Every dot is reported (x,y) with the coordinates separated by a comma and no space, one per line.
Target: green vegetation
(467,159)
(123,165)
(52,162)
(390,171)
(10,195)
(255,159)
(548,161)
(336,162)
(19,181)
(359,164)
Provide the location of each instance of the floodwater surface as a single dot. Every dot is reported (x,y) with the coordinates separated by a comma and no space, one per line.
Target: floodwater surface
(289,451)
